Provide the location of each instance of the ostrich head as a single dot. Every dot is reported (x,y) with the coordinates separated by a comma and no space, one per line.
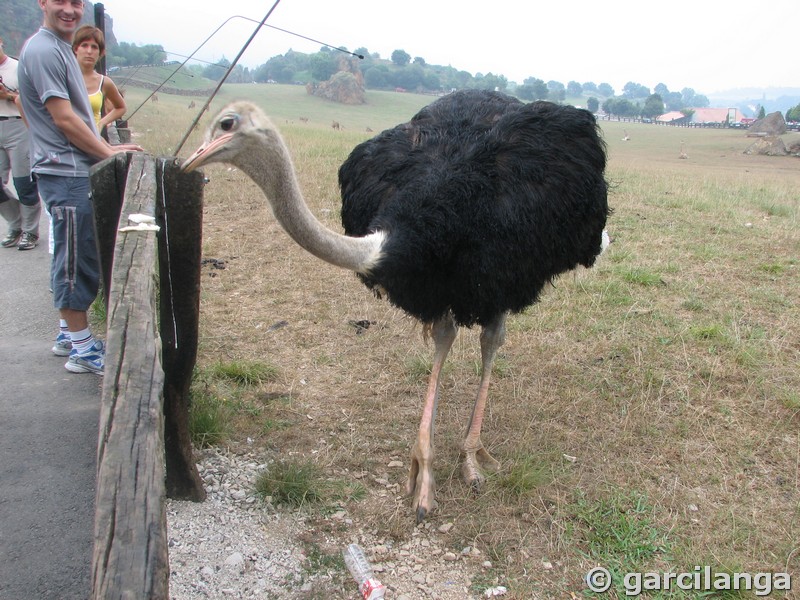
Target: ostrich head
(238,133)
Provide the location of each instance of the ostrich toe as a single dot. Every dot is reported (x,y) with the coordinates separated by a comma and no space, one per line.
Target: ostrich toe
(420,484)
(474,464)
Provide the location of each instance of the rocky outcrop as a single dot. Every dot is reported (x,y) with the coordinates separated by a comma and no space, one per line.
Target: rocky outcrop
(343,87)
(769,146)
(772,124)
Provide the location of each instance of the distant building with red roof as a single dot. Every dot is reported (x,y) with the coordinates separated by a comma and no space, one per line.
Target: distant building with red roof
(671,117)
(703,116)
(716,115)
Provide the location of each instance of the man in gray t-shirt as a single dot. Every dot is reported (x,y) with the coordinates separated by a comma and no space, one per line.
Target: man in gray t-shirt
(64,145)
(48,69)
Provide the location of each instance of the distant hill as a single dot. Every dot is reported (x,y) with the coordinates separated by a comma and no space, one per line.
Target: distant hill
(20,19)
(749,99)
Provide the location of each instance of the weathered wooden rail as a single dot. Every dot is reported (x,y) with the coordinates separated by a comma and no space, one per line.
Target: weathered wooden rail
(151,284)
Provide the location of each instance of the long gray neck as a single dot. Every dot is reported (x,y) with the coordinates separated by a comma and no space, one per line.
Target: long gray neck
(278,182)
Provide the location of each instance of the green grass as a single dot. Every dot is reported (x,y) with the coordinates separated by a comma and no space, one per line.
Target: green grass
(773,268)
(528,473)
(222,396)
(707,332)
(641,276)
(501,367)
(618,532)
(693,304)
(298,482)
(243,373)
(418,368)
(210,421)
(97,312)
(291,483)
(791,400)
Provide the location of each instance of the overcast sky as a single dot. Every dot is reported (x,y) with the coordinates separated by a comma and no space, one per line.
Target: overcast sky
(707,45)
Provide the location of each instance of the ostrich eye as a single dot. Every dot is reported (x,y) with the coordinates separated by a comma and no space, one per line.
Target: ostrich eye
(228,123)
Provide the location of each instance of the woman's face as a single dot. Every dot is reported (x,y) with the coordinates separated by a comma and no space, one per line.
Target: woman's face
(88,53)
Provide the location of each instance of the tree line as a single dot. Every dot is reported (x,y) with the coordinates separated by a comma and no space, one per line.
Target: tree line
(402,72)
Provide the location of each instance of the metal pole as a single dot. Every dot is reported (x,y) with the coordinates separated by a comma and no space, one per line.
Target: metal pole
(100,23)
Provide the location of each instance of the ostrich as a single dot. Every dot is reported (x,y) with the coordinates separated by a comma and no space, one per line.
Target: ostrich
(459,217)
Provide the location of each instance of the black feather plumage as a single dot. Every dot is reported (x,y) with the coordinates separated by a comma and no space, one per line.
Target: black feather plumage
(484,200)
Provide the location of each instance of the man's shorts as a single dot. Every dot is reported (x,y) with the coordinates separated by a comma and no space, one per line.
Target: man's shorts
(75,267)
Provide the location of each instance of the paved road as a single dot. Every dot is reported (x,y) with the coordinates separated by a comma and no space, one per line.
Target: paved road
(48,442)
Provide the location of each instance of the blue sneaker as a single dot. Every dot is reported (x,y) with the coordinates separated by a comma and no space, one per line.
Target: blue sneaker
(63,345)
(92,361)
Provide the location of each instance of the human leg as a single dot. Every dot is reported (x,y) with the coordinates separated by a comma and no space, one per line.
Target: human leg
(16,142)
(30,210)
(77,320)
(75,271)
(9,210)
(9,205)
(63,343)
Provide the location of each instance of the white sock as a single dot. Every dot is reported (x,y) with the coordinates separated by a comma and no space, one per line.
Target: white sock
(62,326)
(81,340)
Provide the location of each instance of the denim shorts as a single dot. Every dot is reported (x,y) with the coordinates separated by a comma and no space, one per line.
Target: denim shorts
(75,267)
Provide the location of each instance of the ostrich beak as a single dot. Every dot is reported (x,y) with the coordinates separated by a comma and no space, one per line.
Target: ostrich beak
(205,152)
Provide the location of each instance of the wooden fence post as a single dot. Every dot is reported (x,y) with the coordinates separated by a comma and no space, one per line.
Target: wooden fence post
(108,189)
(130,553)
(118,133)
(180,210)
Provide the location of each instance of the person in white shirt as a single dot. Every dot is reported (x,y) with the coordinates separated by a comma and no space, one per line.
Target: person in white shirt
(21,210)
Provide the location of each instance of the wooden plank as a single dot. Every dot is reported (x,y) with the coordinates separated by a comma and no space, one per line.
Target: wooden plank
(130,554)
(180,210)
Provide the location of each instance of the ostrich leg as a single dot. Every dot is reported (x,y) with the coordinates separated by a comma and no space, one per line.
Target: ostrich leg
(420,476)
(475,455)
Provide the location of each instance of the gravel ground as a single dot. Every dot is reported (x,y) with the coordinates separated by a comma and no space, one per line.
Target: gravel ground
(234,545)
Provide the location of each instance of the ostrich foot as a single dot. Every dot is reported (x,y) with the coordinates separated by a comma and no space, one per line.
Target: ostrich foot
(420,484)
(475,463)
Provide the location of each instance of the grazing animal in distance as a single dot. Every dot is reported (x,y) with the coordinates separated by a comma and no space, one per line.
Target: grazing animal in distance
(459,217)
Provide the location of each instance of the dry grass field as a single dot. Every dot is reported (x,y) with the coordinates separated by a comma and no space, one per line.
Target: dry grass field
(646,412)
